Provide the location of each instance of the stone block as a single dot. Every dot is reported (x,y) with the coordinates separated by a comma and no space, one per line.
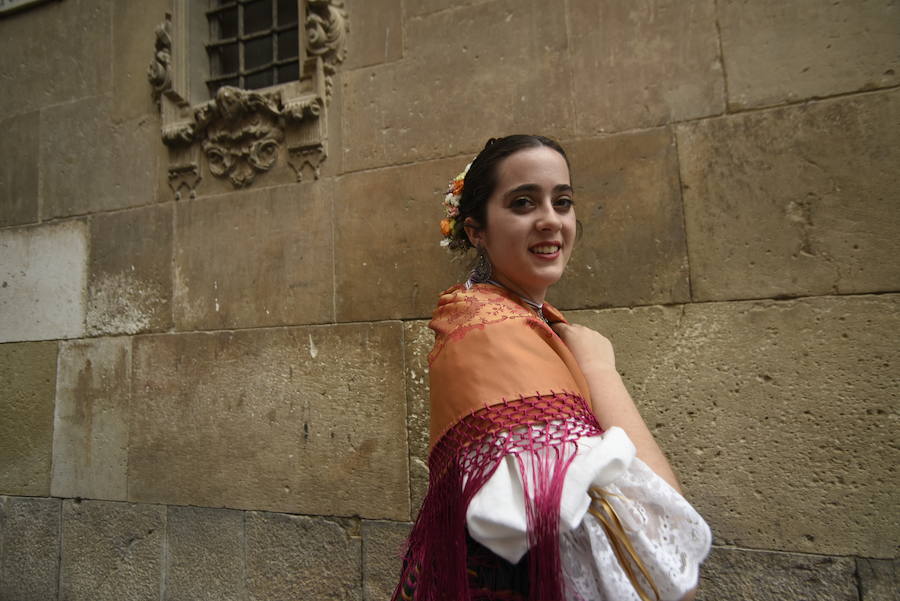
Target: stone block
(794,201)
(71,67)
(130,271)
(389,263)
(742,575)
(27,381)
(642,64)
(29,548)
(307,420)
(43,274)
(19,170)
(632,249)
(111,551)
(205,555)
(297,557)
(417,343)
(382,545)
(134,38)
(879,579)
(504,68)
(89,164)
(776,52)
(90,434)
(256,258)
(775,414)
(377,36)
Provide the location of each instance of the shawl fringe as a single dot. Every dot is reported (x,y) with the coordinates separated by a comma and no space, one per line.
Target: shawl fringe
(463,460)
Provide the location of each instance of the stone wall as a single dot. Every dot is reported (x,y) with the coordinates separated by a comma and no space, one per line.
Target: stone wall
(224,396)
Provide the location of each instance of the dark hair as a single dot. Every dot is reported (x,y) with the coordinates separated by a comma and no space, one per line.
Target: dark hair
(481,180)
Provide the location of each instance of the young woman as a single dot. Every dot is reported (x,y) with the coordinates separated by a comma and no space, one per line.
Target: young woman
(545,483)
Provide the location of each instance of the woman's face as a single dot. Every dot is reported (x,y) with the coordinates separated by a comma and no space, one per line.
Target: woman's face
(530,222)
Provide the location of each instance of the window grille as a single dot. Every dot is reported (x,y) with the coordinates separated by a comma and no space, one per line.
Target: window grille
(253,43)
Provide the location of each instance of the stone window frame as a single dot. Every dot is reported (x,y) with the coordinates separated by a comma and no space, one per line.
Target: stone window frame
(243,133)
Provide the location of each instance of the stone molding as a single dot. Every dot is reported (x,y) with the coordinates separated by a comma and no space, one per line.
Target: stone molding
(242,133)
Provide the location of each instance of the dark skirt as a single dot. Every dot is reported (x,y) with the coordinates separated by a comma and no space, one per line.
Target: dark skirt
(491,578)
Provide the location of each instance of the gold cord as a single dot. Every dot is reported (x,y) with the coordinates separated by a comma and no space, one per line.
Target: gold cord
(602,510)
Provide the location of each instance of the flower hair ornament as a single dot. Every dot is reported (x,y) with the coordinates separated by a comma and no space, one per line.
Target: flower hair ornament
(451,209)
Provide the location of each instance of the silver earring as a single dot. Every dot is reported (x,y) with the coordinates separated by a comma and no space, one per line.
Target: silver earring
(482,270)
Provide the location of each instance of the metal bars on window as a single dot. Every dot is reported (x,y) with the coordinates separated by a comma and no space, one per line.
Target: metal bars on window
(253,43)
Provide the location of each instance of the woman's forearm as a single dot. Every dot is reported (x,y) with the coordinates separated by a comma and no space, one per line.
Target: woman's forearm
(613,406)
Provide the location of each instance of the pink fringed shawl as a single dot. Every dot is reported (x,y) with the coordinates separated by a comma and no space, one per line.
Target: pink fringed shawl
(502,383)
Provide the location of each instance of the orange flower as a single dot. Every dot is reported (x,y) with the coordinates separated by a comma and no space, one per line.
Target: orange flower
(447,226)
(456,187)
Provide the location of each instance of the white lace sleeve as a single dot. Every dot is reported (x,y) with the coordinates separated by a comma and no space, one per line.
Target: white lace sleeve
(667,533)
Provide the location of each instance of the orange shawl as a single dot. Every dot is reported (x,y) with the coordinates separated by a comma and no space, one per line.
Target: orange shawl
(491,347)
(496,369)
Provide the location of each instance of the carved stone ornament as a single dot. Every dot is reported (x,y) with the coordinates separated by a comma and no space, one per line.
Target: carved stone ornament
(312,157)
(327,27)
(160,71)
(243,133)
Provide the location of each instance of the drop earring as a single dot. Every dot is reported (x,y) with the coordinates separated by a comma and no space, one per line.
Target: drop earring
(482,270)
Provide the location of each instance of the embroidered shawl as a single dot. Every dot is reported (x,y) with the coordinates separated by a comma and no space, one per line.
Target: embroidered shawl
(502,383)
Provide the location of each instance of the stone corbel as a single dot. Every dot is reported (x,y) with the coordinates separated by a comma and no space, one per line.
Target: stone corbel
(184,178)
(243,133)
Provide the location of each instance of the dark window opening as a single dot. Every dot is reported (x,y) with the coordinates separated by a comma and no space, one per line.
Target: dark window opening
(253,43)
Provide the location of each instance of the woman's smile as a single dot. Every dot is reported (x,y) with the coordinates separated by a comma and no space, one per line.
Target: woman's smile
(546,251)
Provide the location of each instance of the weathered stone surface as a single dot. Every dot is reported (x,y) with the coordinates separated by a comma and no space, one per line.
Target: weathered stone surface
(43,273)
(29,548)
(37,73)
(388,261)
(771,413)
(795,201)
(255,258)
(741,575)
(27,380)
(296,557)
(306,420)
(89,164)
(19,170)
(417,343)
(501,65)
(205,555)
(879,579)
(133,36)
(632,250)
(382,545)
(379,37)
(425,7)
(641,64)
(90,434)
(778,52)
(111,551)
(130,271)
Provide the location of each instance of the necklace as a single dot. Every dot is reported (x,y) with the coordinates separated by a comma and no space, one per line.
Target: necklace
(538,307)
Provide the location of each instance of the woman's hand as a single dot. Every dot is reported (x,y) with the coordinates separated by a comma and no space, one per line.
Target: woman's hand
(592,349)
(610,400)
